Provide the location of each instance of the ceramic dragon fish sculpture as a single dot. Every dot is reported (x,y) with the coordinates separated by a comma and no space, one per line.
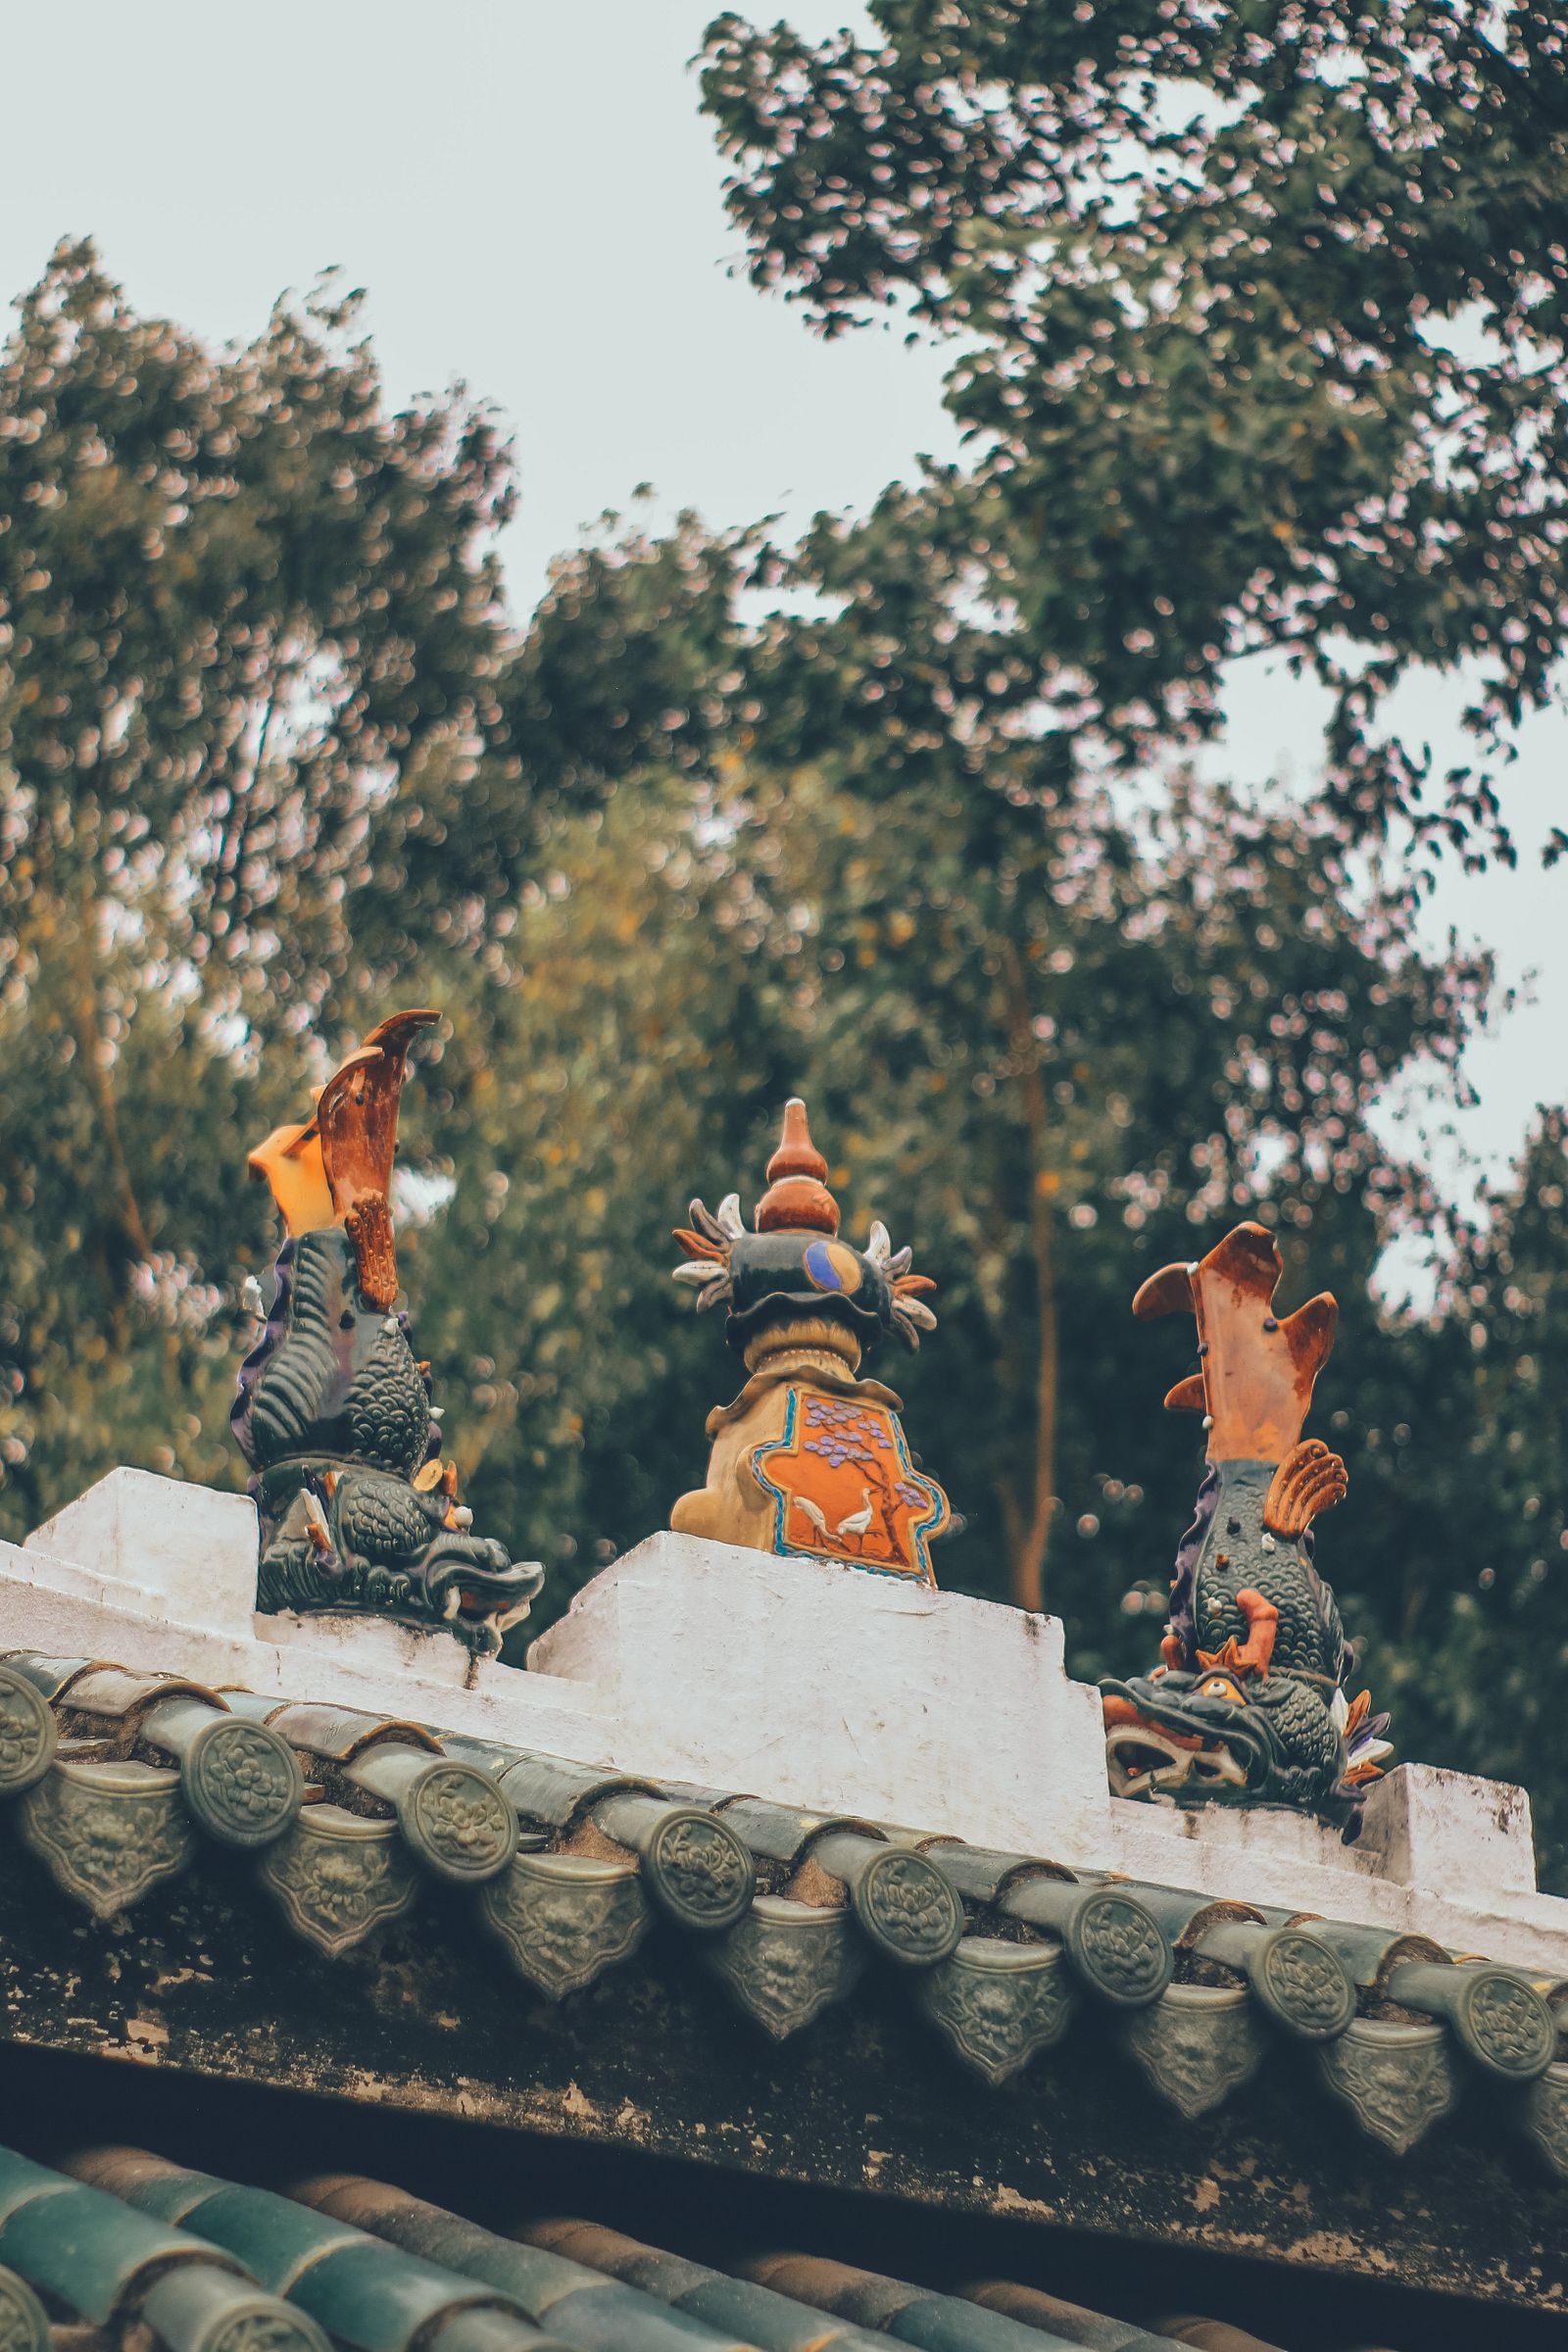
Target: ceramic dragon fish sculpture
(809,1458)
(358,1510)
(1249,1704)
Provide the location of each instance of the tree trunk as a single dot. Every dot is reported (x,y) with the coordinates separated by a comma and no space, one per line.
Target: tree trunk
(1029,1536)
(93,1056)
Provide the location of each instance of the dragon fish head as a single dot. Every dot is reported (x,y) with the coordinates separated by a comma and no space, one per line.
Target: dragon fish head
(1212,1736)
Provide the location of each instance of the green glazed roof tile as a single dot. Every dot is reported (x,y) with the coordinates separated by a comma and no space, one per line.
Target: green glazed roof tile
(23,2324)
(21,2180)
(947,2323)
(373,2296)
(602,2315)
(343,1732)
(1044,2313)
(937,2322)
(548,1790)
(195,2308)
(29,1739)
(485,2327)
(592,2312)
(49,1676)
(772,2322)
(87,2248)
(277,2240)
(114,1692)
(165,2193)
(93,2255)
(363,2293)
(389,2259)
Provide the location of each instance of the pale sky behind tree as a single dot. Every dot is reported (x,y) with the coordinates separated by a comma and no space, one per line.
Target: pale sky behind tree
(527,194)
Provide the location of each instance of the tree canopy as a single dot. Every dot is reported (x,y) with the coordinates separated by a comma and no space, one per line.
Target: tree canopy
(1260,319)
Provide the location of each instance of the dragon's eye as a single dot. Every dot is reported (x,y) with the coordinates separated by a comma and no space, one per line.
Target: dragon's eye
(1218,1686)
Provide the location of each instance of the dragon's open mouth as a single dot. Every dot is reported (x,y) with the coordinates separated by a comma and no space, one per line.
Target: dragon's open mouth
(459,1589)
(507,1607)
(1163,1744)
(1144,1761)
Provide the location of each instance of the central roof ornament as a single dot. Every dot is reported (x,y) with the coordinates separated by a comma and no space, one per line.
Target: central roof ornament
(809,1458)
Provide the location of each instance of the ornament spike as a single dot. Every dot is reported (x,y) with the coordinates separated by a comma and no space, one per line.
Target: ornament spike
(797,1197)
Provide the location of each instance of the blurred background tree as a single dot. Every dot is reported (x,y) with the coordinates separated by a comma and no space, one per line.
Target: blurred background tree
(240,607)
(1261,328)
(901,817)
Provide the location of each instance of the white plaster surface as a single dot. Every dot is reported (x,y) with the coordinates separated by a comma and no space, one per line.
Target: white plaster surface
(149,1572)
(835,1689)
(194,1546)
(823,1687)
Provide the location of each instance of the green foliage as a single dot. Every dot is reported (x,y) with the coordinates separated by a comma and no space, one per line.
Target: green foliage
(1260,315)
(1477,1630)
(241,607)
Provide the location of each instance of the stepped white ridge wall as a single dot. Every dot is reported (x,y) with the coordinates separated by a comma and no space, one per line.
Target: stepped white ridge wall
(847,1692)
(149,1572)
(835,1688)
(829,1687)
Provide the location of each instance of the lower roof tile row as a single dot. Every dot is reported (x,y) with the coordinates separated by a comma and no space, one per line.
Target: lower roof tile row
(119,1781)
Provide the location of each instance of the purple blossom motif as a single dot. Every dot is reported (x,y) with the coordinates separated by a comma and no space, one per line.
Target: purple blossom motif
(837,1449)
(849,1425)
(907,1493)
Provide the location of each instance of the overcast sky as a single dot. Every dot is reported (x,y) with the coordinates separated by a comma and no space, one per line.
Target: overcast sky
(527,194)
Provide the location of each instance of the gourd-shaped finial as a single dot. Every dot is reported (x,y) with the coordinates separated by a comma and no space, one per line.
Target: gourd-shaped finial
(796,1198)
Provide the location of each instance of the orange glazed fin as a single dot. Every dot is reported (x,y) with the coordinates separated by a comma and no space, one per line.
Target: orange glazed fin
(1247,1258)
(696,1245)
(358,1112)
(395,1034)
(1310,1334)
(1259,1368)
(1167,1292)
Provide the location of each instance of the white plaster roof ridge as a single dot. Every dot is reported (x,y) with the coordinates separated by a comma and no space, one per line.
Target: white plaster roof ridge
(67,1608)
(795,1680)
(24,1563)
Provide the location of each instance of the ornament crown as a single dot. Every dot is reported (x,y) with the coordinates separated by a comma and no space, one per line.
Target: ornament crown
(792,1261)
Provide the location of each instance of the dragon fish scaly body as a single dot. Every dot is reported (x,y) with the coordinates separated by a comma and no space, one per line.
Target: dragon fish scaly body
(1249,1704)
(334,1413)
